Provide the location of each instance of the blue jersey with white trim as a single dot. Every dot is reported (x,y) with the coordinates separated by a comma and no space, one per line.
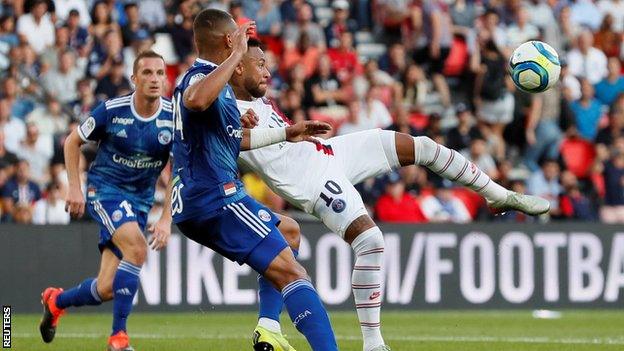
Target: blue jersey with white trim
(206,145)
(132,150)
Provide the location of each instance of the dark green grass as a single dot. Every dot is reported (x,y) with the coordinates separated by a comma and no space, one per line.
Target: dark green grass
(430,331)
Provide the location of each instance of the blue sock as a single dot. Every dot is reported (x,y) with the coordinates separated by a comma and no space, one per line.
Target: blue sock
(83,294)
(125,286)
(308,315)
(270,299)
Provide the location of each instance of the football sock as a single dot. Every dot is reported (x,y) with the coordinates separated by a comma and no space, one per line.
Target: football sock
(451,165)
(83,294)
(366,284)
(270,302)
(125,286)
(308,315)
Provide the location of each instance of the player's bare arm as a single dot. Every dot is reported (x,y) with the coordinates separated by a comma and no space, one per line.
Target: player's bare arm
(301,131)
(75,201)
(202,94)
(161,230)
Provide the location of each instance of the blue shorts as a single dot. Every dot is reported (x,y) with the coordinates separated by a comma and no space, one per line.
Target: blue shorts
(244,231)
(112,214)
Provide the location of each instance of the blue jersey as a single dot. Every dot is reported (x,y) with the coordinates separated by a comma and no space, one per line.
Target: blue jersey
(132,151)
(206,145)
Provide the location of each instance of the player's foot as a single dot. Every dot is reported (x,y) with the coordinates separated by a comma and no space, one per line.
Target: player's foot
(119,342)
(381,348)
(266,340)
(51,313)
(529,204)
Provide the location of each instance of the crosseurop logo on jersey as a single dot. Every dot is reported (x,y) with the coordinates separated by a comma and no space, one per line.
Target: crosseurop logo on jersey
(164,137)
(137,163)
(88,126)
(233,132)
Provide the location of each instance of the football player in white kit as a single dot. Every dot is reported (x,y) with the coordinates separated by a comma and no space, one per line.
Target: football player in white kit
(319,179)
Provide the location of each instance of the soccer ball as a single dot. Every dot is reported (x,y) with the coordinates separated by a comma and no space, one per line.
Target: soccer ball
(534,66)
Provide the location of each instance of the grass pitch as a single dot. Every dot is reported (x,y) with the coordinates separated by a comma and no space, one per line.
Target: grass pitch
(430,331)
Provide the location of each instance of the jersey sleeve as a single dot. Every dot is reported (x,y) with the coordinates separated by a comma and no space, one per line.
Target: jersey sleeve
(94,127)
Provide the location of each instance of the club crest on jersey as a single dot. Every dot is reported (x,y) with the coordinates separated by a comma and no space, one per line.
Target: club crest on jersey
(264,215)
(164,137)
(117,216)
(88,126)
(338,205)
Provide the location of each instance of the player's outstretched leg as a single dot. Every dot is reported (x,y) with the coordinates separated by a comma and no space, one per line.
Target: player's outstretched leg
(302,301)
(268,330)
(91,292)
(130,240)
(451,165)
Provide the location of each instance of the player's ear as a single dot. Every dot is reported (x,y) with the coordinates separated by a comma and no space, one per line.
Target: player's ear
(133,79)
(239,69)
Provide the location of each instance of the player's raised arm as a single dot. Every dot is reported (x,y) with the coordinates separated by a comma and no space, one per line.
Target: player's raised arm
(301,131)
(210,31)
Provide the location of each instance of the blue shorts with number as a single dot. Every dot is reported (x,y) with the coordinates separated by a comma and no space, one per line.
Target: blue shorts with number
(243,231)
(112,214)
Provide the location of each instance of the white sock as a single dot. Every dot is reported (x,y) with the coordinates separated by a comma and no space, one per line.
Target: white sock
(269,324)
(451,165)
(366,283)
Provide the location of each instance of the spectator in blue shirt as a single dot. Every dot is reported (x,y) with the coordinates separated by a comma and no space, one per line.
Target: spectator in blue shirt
(587,112)
(20,191)
(608,89)
(545,183)
(613,209)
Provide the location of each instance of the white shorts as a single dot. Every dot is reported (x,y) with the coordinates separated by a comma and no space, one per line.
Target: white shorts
(357,156)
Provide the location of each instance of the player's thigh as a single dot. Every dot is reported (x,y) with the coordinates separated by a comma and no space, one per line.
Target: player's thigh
(338,203)
(111,215)
(365,154)
(290,229)
(284,269)
(244,232)
(106,275)
(130,240)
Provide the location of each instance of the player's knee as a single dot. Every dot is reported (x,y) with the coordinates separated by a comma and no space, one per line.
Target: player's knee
(135,253)
(291,231)
(105,290)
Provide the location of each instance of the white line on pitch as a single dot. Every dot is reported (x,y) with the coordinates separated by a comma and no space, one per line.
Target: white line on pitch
(489,339)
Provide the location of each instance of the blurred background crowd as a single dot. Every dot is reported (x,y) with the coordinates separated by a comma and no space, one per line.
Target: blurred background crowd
(423,67)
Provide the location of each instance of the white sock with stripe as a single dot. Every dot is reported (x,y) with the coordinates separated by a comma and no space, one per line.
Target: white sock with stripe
(366,284)
(451,165)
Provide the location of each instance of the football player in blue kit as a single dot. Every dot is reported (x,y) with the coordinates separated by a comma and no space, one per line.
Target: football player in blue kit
(209,203)
(134,133)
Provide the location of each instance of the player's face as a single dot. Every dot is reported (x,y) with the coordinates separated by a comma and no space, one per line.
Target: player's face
(149,78)
(256,74)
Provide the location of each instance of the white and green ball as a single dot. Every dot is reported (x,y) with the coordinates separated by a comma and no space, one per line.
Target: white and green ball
(534,66)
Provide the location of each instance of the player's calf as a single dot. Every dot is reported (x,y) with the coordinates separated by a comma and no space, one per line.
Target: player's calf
(302,301)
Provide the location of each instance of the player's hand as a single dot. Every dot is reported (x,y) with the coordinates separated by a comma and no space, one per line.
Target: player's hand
(306,130)
(161,231)
(249,119)
(241,35)
(75,202)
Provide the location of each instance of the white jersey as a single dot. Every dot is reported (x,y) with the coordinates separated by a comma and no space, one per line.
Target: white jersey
(319,178)
(289,169)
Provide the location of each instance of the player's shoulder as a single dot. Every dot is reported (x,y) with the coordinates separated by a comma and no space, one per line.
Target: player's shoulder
(195,73)
(167,105)
(117,103)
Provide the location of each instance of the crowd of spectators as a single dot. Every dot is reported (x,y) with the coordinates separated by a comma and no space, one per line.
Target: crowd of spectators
(423,67)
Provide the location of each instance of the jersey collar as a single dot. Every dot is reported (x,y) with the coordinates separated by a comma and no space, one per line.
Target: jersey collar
(205,62)
(145,119)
